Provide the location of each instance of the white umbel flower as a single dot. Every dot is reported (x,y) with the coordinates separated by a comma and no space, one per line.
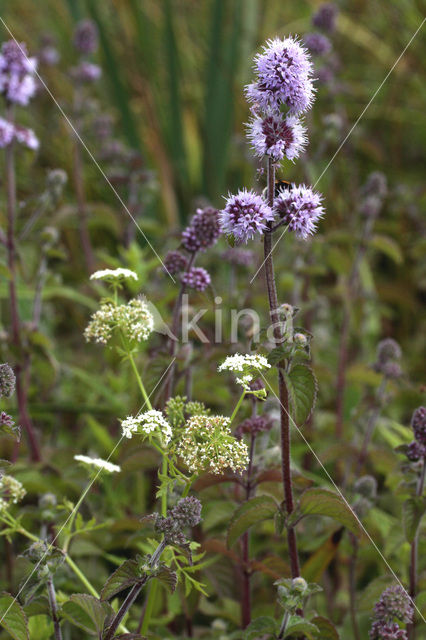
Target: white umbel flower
(98,463)
(151,423)
(114,275)
(244,363)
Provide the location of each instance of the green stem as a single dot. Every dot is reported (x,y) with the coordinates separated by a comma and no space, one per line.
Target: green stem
(238,405)
(71,521)
(140,383)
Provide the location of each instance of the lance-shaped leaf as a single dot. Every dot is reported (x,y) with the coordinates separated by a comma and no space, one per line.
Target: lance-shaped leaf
(414,509)
(124,577)
(323,502)
(13,618)
(87,613)
(302,391)
(248,514)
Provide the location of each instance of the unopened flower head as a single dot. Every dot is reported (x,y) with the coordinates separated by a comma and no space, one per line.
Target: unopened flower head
(133,319)
(186,513)
(11,491)
(284,76)
(317,43)
(17,70)
(151,424)
(245,215)
(98,463)
(86,37)
(207,444)
(300,207)
(114,275)
(203,231)
(418,423)
(325,17)
(196,278)
(277,136)
(7,380)
(175,262)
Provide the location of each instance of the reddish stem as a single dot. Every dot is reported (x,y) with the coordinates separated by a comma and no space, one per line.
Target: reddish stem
(21,369)
(283,393)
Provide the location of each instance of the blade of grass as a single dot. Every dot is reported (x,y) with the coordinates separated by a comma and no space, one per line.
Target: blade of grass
(113,68)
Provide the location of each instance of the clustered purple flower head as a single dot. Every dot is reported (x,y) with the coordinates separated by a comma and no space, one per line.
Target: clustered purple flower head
(17,82)
(284,77)
(203,231)
(10,132)
(394,603)
(238,256)
(253,426)
(86,37)
(196,278)
(86,72)
(300,208)
(317,44)
(388,351)
(175,262)
(7,380)
(244,215)
(186,513)
(325,17)
(277,137)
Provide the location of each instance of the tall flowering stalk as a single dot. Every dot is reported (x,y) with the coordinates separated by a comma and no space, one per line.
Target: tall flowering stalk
(282,91)
(85,42)
(17,85)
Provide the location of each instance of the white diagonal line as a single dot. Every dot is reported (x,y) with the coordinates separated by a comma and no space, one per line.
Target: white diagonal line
(352,129)
(345,501)
(86,148)
(78,503)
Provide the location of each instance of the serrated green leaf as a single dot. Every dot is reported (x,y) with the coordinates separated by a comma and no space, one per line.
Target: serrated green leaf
(87,613)
(327,630)
(279,353)
(250,512)
(259,627)
(125,576)
(323,502)
(297,625)
(167,577)
(302,391)
(13,618)
(413,510)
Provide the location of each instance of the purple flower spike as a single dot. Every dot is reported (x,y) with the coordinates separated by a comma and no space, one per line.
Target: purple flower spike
(277,136)
(300,207)
(284,76)
(196,278)
(244,215)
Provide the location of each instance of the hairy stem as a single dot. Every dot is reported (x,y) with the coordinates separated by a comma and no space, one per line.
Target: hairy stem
(133,594)
(283,393)
(413,554)
(21,368)
(54,608)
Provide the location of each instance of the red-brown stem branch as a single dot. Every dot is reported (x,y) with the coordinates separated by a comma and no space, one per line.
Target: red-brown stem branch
(283,393)
(21,368)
